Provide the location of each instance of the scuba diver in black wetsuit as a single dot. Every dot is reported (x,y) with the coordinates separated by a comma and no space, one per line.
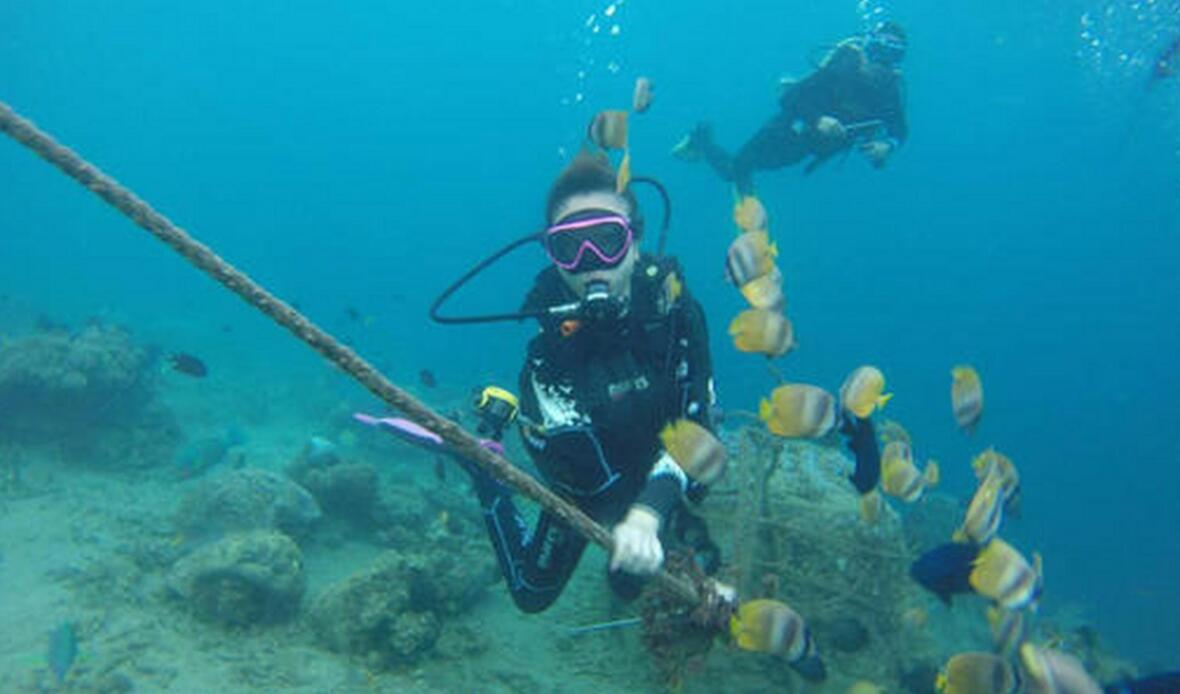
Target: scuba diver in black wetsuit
(853,98)
(621,352)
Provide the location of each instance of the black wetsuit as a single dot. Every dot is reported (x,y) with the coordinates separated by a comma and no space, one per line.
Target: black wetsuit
(592,405)
(866,97)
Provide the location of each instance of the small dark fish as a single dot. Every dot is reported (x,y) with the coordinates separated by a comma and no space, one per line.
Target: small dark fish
(440,468)
(945,570)
(188,364)
(426,376)
(863,444)
(63,649)
(352,313)
(1165,63)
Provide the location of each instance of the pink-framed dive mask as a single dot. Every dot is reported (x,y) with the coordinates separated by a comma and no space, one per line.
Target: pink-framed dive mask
(589,240)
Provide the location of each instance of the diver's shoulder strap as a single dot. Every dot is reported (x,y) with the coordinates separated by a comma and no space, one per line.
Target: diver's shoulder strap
(658,286)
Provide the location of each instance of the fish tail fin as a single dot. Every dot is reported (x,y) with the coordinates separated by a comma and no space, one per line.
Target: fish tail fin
(940,682)
(623,178)
(932,474)
(765,410)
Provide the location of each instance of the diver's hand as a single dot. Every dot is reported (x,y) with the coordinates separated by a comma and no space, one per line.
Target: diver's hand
(831,128)
(637,543)
(877,152)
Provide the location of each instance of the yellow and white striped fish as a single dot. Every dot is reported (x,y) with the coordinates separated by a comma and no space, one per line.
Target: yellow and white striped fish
(1002,574)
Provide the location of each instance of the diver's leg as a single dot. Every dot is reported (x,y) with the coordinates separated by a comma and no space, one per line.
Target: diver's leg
(699,144)
(715,155)
(776,144)
(537,565)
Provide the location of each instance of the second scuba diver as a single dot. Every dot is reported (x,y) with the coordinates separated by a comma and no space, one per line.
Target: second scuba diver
(597,387)
(854,98)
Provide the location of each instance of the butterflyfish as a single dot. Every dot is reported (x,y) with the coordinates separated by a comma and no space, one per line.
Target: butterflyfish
(1048,671)
(750,256)
(1007,627)
(966,397)
(900,477)
(862,391)
(608,130)
(750,215)
(976,673)
(1002,574)
(992,462)
(759,331)
(641,97)
(766,291)
(695,449)
(796,410)
(996,571)
(984,513)
(769,626)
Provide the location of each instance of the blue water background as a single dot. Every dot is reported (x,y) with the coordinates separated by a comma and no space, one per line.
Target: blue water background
(362,155)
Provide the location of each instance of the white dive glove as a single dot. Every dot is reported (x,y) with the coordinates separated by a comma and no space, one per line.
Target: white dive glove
(637,543)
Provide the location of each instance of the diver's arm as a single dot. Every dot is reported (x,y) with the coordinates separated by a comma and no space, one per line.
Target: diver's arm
(699,398)
(637,538)
(893,133)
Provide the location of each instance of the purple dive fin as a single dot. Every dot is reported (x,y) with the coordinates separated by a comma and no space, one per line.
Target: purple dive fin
(402,428)
(416,434)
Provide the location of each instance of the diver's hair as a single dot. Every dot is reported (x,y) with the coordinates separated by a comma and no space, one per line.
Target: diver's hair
(590,172)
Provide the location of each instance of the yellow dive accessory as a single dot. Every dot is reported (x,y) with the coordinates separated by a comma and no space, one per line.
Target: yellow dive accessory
(496,408)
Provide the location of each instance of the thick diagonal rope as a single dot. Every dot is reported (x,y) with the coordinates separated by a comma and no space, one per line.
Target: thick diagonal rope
(201,256)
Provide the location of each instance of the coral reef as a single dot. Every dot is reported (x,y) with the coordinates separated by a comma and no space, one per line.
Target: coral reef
(247,499)
(59,376)
(348,490)
(88,392)
(202,455)
(246,578)
(393,612)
